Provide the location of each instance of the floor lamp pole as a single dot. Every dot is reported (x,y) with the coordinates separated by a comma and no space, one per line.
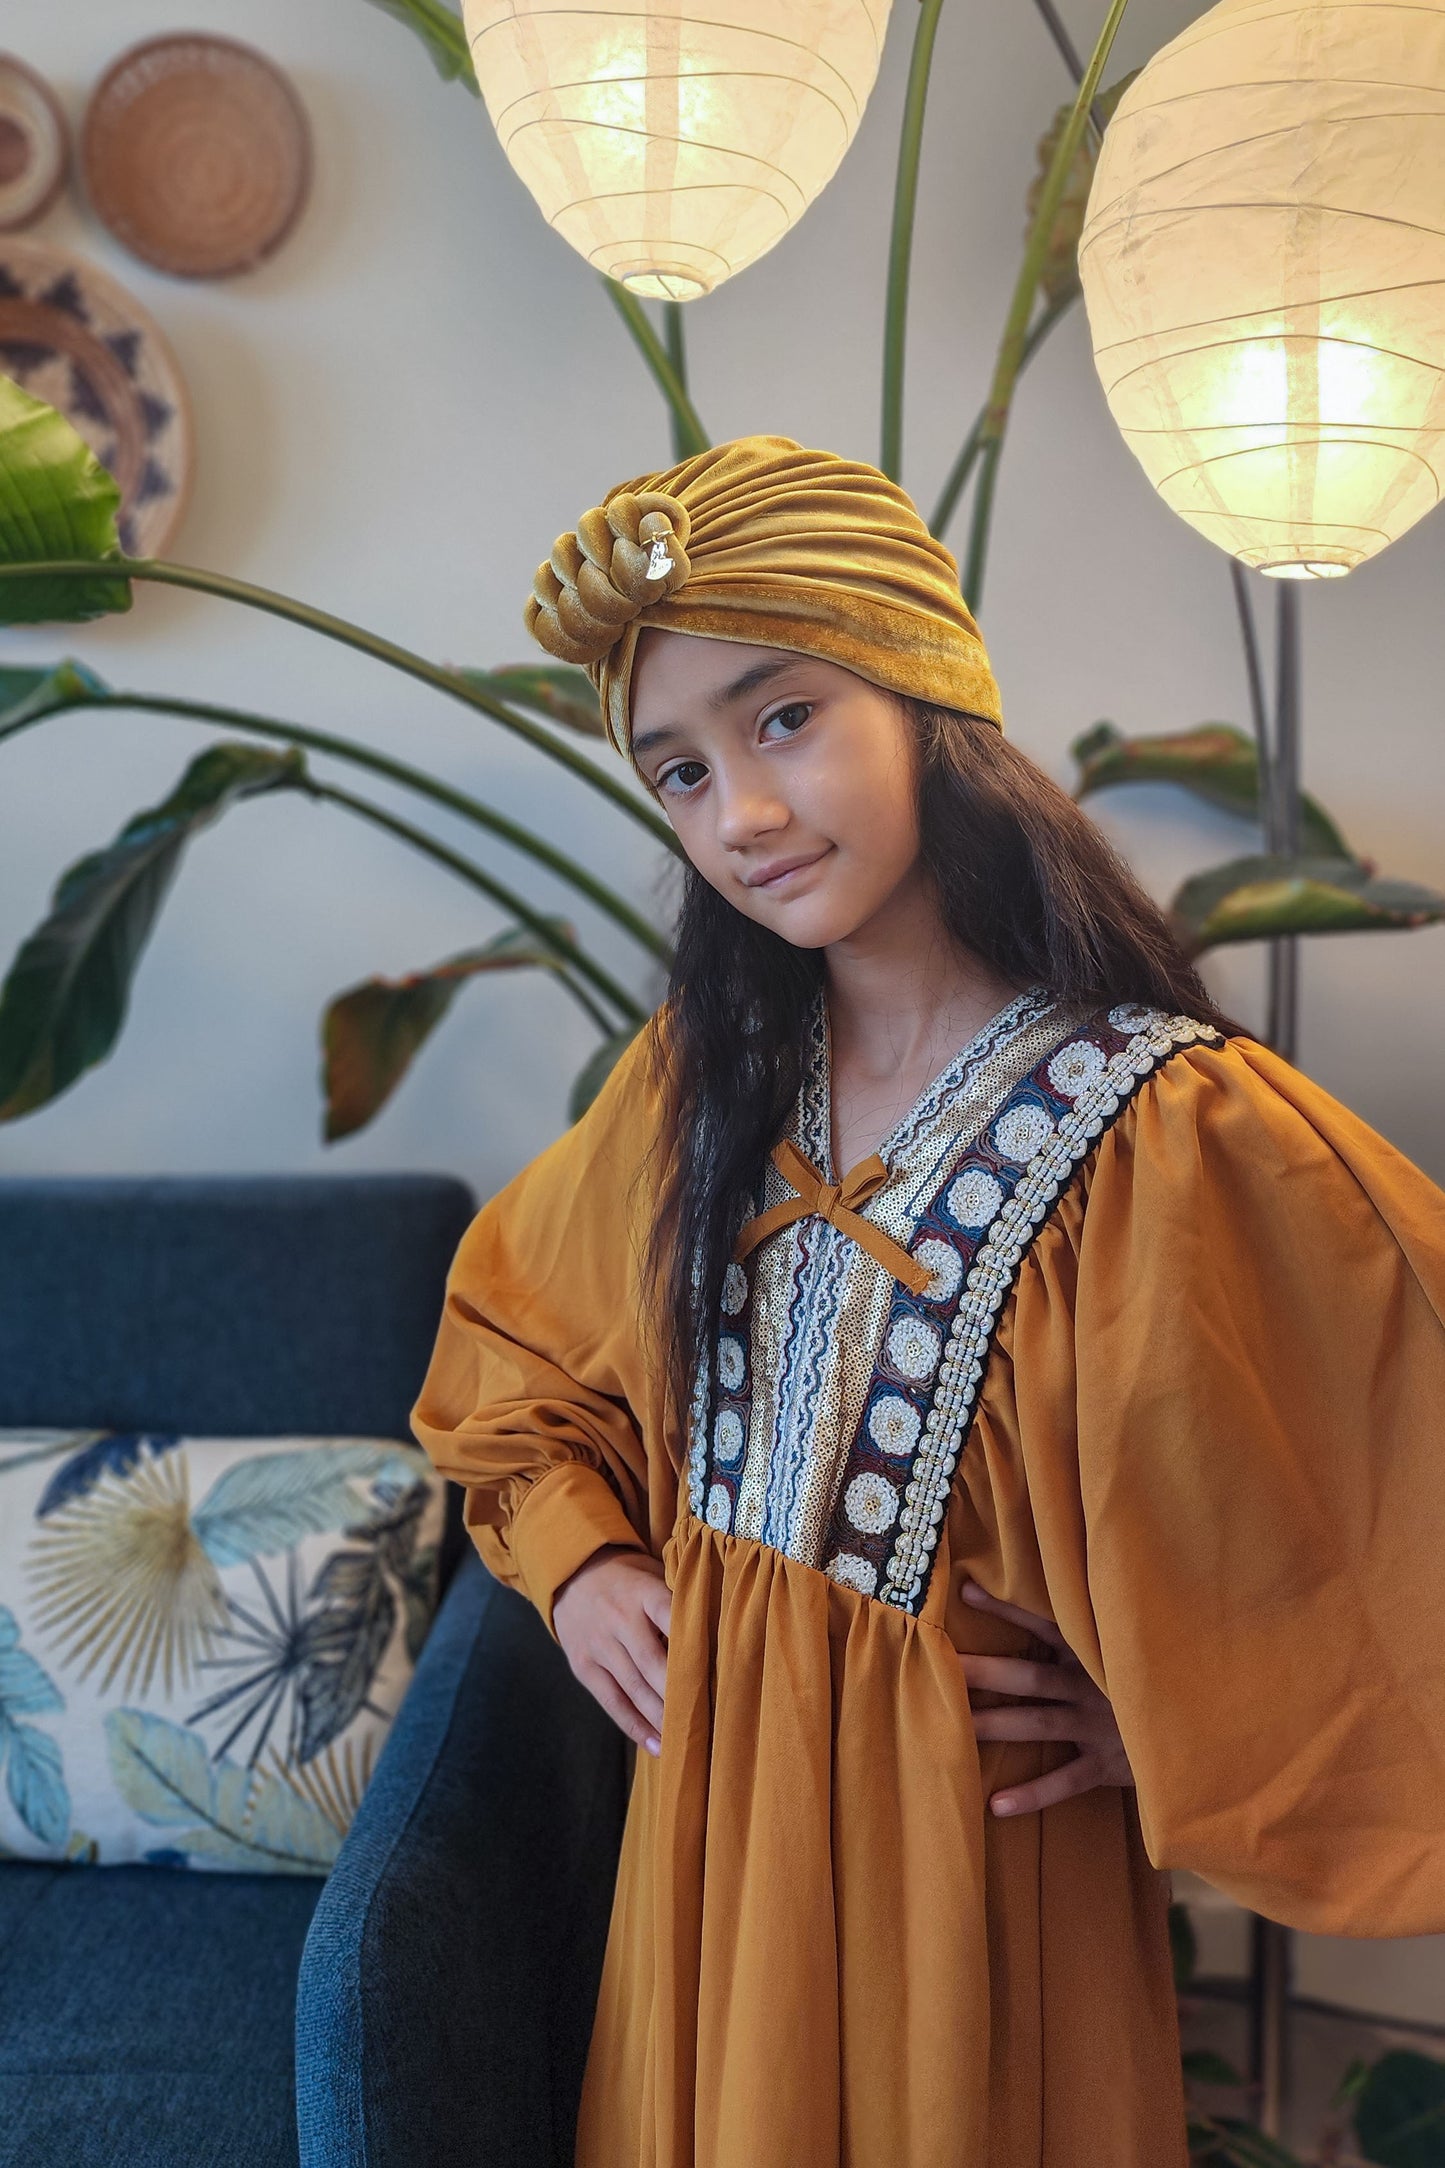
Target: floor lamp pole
(1271,1950)
(1283,822)
(1271,1965)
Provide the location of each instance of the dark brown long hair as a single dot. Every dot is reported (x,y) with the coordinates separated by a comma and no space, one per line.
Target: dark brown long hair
(1024,880)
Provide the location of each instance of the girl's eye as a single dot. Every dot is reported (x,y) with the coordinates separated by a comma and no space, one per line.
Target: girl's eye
(791,718)
(684,777)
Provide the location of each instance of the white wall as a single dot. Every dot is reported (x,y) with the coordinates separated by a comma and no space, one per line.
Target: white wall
(394,418)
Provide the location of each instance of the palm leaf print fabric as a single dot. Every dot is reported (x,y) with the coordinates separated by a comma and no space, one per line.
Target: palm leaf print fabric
(203,1641)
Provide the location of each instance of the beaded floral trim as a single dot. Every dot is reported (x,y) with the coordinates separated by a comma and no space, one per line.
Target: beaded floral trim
(976,1234)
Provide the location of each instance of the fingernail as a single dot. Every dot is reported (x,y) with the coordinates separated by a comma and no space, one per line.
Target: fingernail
(654,1746)
(972,1591)
(1001,1805)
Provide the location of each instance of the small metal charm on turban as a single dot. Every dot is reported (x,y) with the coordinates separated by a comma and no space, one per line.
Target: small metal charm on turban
(612,565)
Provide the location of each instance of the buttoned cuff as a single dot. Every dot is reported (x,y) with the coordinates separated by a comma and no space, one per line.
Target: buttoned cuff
(566,1515)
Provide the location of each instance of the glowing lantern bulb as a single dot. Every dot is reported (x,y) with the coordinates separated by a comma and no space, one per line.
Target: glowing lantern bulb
(1263,263)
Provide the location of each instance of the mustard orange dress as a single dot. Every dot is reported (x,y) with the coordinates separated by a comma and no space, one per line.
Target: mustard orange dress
(1167,1364)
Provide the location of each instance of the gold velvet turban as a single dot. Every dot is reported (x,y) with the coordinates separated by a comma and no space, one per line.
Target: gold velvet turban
(761,541)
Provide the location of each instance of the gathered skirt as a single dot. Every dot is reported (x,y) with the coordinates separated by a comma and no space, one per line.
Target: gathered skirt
(824,1952)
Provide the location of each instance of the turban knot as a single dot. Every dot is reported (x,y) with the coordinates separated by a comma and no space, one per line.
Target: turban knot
(620,557)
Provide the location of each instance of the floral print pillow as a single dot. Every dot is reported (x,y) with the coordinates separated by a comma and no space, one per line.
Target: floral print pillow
(203,1641)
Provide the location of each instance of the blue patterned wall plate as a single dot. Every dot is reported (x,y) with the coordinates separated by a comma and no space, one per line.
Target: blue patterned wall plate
(73,337)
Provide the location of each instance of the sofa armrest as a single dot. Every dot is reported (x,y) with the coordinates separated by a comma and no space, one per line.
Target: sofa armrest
(449,1980)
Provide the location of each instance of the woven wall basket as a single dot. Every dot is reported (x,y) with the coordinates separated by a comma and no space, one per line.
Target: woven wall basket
(34,144)
(196,154)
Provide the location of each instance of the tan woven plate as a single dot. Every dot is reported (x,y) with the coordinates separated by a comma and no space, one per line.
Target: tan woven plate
(34,144)
(196,154)
(71,336)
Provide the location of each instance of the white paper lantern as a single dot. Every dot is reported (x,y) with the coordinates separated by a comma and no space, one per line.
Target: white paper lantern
(1263,262)
(672,150)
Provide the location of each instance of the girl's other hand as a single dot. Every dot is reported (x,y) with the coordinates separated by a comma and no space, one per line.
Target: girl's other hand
(1060,1702)
(612,1618)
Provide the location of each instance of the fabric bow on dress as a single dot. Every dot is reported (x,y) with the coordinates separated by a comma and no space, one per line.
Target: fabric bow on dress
(836,1202)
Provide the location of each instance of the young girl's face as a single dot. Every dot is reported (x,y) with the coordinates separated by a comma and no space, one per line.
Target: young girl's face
(789,780)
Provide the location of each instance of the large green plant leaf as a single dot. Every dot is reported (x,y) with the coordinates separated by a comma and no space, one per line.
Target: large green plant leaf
(1400,2112)
(371,1034)
(559,692)
(1060,274)
(56,500)
(65,996)
(1214,760)
(1261,899)
(1202,2066)
(595,1071)
(1226,2141)
(218,1811)
(24,693)
(441,32)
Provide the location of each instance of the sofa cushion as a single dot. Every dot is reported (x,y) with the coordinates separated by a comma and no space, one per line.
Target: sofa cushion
(147,2018)
(226,1305)
(203,1641)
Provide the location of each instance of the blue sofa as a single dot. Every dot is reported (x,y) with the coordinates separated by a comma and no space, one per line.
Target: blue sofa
(448,1966)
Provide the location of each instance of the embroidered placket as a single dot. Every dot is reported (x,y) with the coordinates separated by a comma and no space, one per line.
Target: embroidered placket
(964,1240)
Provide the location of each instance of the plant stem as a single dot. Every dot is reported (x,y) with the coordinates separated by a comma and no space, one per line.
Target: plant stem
(900,246)
(962,467)
(1015,332)
(688,434)
(499,893)
(442,30)
(398,771)
(368,643)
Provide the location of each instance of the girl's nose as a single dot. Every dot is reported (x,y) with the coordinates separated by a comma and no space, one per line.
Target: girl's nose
(746,811)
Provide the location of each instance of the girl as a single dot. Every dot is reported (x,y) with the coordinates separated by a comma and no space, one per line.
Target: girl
(940,1256)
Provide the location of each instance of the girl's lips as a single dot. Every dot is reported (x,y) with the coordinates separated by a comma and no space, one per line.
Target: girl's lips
(784,873)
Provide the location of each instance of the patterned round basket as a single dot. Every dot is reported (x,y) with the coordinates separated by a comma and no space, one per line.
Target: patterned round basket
(71,336)
(196,154)
(34,144)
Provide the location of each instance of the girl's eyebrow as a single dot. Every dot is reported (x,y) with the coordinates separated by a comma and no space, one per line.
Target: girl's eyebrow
(759,673)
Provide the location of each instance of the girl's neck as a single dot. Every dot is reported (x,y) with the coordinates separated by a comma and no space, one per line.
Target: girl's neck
(903,997)
(901,986)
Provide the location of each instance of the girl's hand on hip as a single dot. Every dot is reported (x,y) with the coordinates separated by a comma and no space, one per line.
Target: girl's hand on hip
(612,1618)
(1059,1701)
